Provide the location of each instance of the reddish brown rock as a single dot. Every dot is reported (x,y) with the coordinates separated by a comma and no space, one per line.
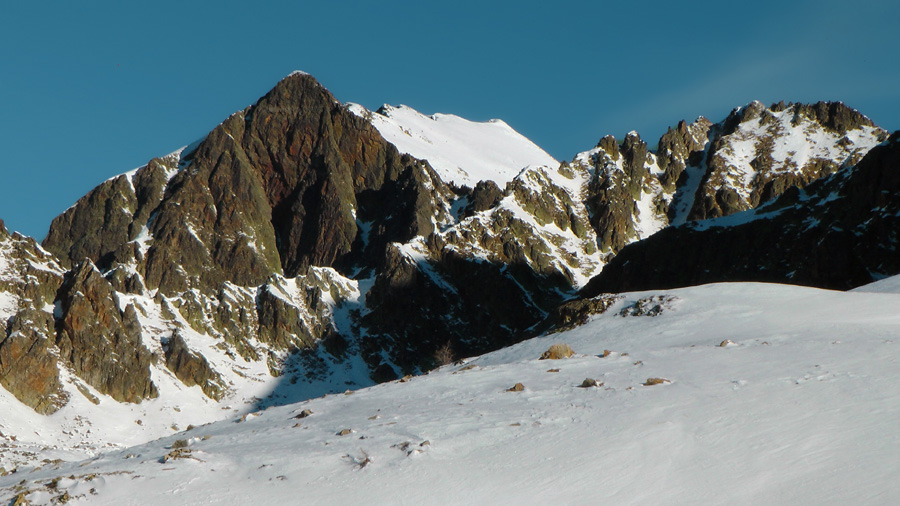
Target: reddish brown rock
(101,342)
(193,368)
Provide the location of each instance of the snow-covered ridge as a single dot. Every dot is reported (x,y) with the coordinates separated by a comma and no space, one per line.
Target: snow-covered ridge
(790,143)
(462,151)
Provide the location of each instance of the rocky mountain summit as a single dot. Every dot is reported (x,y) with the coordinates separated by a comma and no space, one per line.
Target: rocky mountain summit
(838,232)
(294,251)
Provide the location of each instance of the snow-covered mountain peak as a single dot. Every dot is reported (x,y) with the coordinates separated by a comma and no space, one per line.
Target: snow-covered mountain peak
(461,151)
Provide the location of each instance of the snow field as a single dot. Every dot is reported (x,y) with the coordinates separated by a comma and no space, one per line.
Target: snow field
(462,151)
(800,409)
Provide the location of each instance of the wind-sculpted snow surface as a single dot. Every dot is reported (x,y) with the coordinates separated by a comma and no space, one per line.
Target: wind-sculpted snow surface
(798,408)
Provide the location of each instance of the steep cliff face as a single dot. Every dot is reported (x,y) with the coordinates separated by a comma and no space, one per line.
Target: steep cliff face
(56,322)
(29,279)
(839,232)
(231,238)
(99,340)
(625,198)
(275,188)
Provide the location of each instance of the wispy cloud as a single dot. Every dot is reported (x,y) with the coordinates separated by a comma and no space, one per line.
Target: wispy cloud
(722,87)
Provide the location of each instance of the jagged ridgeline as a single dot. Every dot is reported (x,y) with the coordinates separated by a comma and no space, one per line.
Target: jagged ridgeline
(294,235)
(285,236)
(839,232)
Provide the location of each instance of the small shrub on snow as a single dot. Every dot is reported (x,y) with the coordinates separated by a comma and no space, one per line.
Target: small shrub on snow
(444,355)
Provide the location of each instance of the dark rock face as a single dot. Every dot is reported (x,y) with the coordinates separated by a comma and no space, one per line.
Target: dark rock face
(294,182)
(680,147)
(477,306)
(833,115)
(192,368)
(704,170)
(110,205)
(29,278)
(485,196)
(273,189)
(523,226)
(109,216)
(613,193)
(840,232)
(576,312)
(102,343)
(291,321)
(28,362)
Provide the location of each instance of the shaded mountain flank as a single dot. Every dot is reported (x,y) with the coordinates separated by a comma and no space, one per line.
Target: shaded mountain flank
(838,232)
(293,235)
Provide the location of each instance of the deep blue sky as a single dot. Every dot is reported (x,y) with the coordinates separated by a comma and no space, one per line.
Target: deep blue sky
(92,89)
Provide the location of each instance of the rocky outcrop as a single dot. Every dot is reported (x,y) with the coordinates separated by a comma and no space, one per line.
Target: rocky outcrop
(275,188)
(291,312)
(28,362)
(679,147)
(101,342)
(574,313)
(110,215)
(193,368)
(294,182)
(704,170)
(538,221)
(487,280)
(620,176)
(417,305)
(485,195)
(224,232)
(757,153)
(839,232)
(29,278)
(834,116)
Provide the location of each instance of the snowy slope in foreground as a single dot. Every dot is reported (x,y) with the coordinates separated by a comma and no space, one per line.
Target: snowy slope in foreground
(886,285)
(801,409)
(460,150)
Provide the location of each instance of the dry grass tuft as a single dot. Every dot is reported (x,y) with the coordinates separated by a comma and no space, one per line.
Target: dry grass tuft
(557,351)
